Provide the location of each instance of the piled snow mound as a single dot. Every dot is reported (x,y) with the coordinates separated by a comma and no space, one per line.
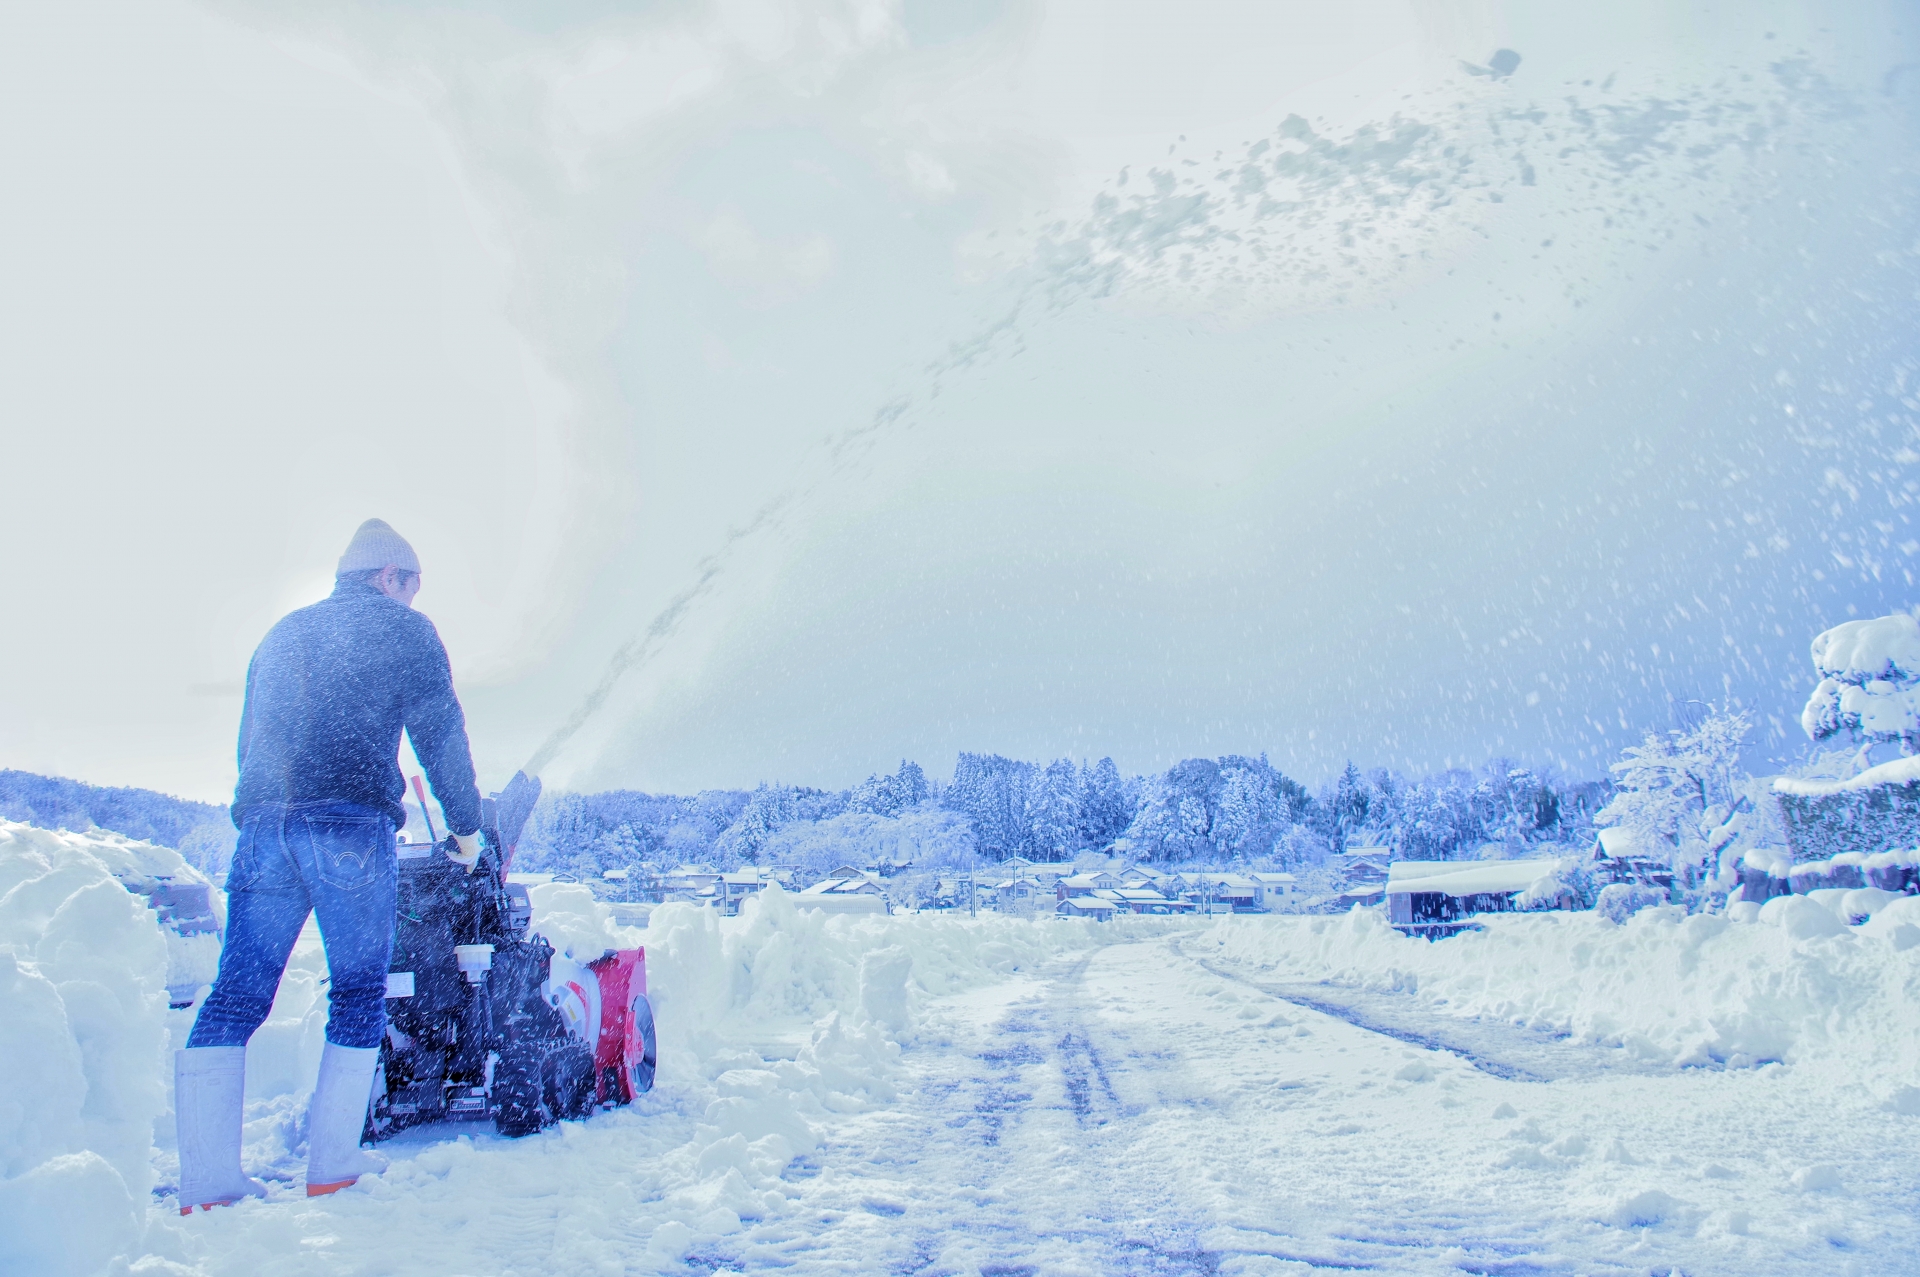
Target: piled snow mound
(778,968)
(83,1047)
(1790,981)
(160,876)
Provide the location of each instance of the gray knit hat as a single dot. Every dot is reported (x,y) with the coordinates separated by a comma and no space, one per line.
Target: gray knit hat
(376,545)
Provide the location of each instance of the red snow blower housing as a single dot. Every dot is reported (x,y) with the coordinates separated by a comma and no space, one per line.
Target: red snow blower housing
(484,1019)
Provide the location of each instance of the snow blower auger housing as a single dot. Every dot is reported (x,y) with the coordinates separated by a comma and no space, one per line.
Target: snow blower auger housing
(485,1020)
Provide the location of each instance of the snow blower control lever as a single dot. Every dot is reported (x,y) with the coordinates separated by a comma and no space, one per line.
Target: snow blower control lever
(484,1018)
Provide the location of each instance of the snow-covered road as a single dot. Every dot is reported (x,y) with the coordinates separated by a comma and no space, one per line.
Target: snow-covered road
(936,1094)
(1146,1108)
(1150,1106)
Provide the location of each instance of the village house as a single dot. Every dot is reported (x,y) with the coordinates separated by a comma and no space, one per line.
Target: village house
(1085,884)
(846,890)
(1142,900)
(688,883)
(734,888)
(1087,906)
(1435,898)
(1622,855)
(1363,865)
(1210,892)
(1275,889)
(1044,872)
(1020,894)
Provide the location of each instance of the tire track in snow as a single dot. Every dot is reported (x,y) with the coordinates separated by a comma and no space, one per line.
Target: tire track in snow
(1491,1046)
(1396,1216)
(1028,1149)
(1094,1120)
(1015,1155)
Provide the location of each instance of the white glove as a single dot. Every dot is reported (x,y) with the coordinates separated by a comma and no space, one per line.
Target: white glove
(465,850)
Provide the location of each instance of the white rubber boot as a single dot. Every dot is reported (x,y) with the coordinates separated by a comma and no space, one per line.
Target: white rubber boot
(209,1091)
(335,1159)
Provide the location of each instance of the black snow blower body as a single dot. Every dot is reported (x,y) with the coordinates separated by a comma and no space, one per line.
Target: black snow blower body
(484,1019)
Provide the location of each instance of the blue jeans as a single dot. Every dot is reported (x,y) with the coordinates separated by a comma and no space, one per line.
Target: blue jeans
(332,859)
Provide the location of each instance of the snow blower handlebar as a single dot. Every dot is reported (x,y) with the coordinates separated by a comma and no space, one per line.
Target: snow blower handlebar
(504,815)
(420,793)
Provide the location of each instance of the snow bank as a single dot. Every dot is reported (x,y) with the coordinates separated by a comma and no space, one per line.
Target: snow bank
(1790,981)
(83,1047)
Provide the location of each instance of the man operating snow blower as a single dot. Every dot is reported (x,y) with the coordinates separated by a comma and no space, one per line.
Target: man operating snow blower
(318,803)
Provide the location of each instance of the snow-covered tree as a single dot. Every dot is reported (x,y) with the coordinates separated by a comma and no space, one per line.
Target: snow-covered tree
(990,791)
(927,837)
(1053,810)
(1255,807)
(769,809)
(1216,810)
(1105,806)
(890,795)
(1869,682)
(1436,818)
(1679,790)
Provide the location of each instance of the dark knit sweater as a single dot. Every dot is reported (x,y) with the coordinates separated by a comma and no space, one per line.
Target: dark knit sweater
(328,693)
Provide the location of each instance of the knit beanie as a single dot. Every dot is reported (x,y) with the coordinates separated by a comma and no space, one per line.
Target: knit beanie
(376,546)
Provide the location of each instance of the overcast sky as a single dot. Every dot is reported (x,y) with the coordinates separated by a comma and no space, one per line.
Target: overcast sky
(998,376)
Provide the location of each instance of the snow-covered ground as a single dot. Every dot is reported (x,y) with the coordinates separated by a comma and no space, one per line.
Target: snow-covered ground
(938,1094)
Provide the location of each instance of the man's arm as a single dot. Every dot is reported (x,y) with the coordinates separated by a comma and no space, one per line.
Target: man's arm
(246,717)
(240,747)
(438,729)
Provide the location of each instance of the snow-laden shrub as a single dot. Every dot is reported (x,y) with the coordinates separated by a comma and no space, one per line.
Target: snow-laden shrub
(1621,900)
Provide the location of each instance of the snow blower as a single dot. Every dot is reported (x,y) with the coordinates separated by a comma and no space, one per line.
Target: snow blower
(484,1019)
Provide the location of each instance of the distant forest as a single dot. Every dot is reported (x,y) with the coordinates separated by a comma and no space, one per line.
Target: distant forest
(1203,811)
(1224,811)
(199,831)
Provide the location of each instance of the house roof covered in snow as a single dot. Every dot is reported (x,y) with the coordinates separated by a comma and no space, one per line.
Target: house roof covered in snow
(1467,877)
(1617,842)
(845,887)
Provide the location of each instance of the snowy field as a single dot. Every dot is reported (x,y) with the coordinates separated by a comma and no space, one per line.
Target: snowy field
(936,1094)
